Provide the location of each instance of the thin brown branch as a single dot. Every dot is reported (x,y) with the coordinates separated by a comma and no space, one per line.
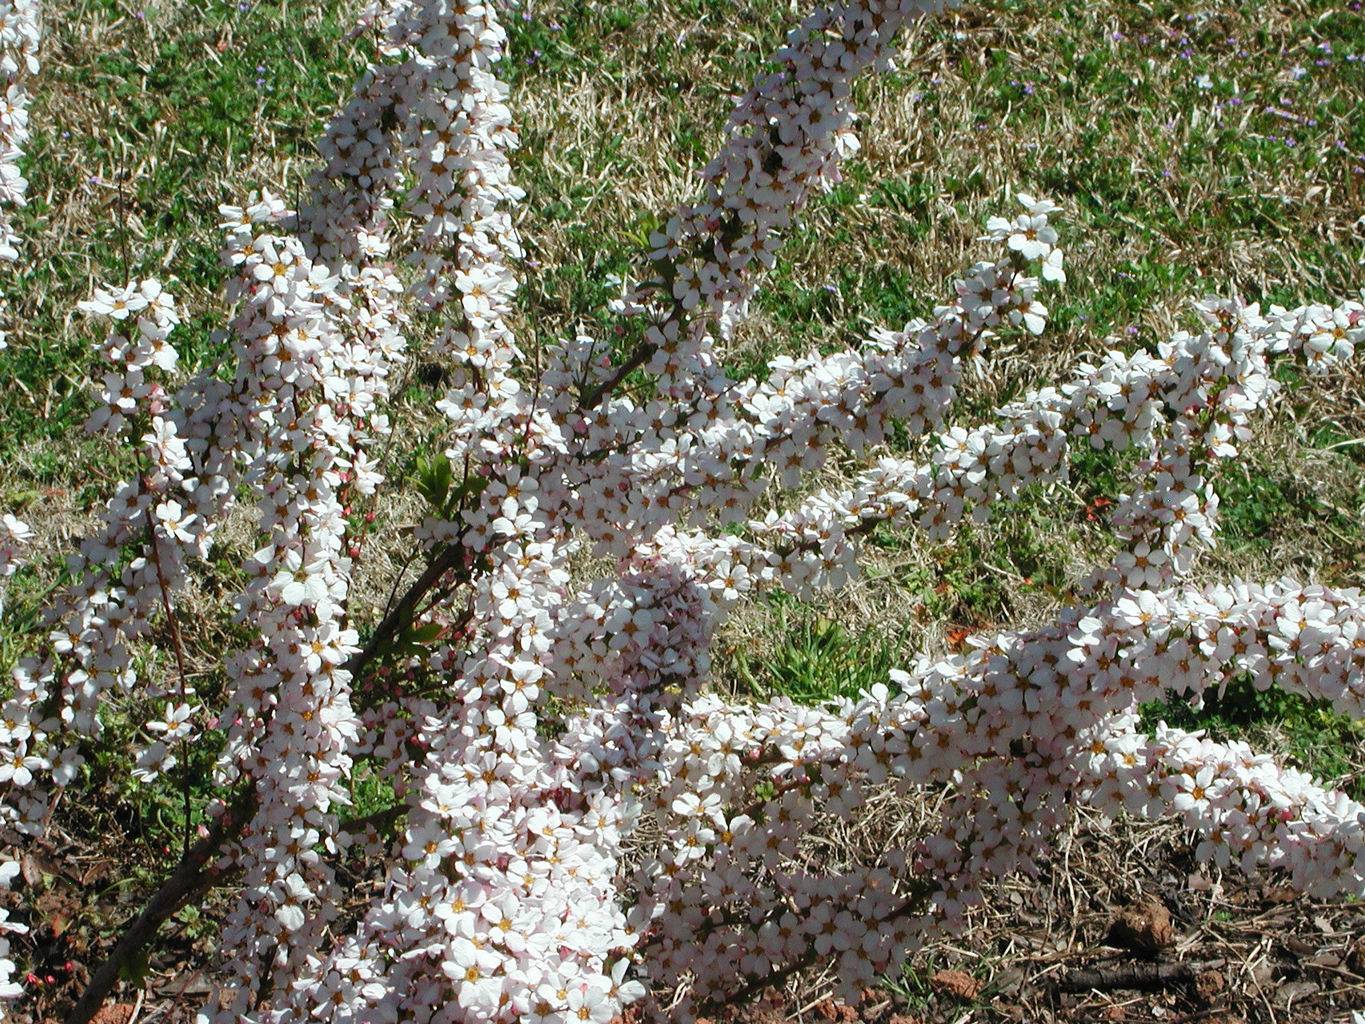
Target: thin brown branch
(195,875)
(400,617)
(180,666)
(1141,976)
(197,872)
(642,354)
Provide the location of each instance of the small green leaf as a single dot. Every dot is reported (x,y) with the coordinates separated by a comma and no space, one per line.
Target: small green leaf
(425,633)
(434,478)
(135,969)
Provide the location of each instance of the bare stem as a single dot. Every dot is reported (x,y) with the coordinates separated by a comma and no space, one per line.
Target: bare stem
(195,874)
(180,666)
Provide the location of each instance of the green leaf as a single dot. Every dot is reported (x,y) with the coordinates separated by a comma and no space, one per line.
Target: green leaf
(425,633)
(135,969)
(434,478)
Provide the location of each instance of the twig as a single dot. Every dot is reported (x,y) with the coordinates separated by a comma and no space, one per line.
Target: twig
(1344,444)
(754,984)
(402,571)
(1144,976)
(449,558)
(180,666)
(642,354)
(196,873)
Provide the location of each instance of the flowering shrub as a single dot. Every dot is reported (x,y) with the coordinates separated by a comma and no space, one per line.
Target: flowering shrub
(581,824)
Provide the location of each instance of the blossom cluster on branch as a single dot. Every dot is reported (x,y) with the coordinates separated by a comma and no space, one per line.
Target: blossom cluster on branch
(15,535)
(580,823)
(20,33)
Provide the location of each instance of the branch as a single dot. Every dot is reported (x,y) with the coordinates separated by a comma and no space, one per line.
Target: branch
(728,232)
(197,873)
(1146,976)
(400,617)
(642,354)
(179,662)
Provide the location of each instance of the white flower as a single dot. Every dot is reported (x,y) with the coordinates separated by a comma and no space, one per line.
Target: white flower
(18,767)
(116,303)
(1052,267)
(303,584)
(174,724)
(623,991)
(1032,237)
(1037,207)
(152,761)
(579,792)
(175,522)
(292,893)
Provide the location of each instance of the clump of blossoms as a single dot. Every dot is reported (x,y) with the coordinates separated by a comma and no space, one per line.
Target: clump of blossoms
(15,536)
(123,574)
(19,37)
(580,823)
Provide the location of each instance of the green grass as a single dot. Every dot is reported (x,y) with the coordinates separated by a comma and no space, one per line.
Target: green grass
(819,660)
(1316,738)
(141,128)
(1256,498)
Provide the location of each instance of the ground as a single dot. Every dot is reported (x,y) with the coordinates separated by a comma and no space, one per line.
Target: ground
(1212,147)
